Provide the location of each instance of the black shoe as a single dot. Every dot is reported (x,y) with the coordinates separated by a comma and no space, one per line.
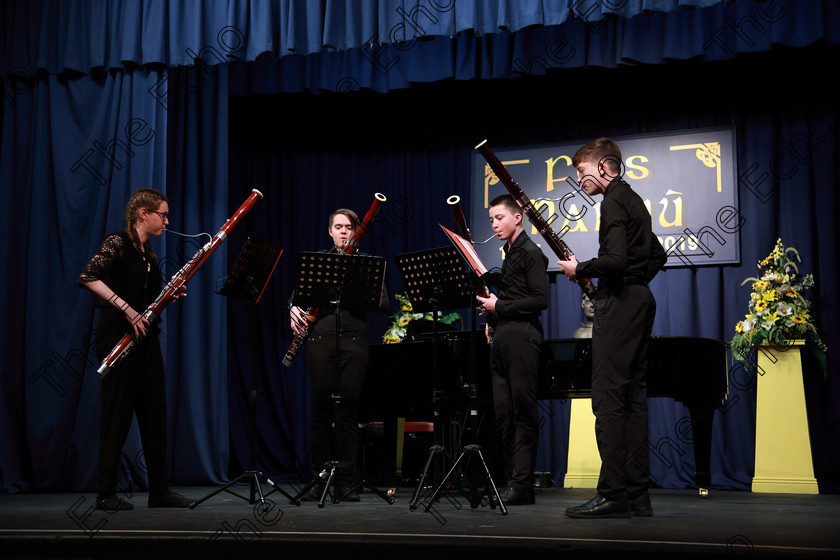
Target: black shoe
(517,496)
(640,506)
(599,508)
(112,503)
(169,500)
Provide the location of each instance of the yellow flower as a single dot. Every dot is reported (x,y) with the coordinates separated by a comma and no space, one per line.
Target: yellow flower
(776,302)
(398,329)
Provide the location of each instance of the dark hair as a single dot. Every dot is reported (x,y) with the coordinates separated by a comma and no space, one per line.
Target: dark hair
(508,202)
(600,150)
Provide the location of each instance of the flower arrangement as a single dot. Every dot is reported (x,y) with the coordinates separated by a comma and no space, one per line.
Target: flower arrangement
(778,312)
(399,329)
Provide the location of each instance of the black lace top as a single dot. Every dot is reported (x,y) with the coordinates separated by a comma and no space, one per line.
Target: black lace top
(131,274)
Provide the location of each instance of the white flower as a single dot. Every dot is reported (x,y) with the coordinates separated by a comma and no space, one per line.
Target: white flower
(767,325)
(769,277)
(784,309)
(749,323)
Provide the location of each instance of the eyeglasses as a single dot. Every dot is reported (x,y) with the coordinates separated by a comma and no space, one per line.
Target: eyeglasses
(163,215)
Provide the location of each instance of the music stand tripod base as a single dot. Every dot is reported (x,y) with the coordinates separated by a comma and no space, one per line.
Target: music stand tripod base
(256,489)
(489,485)
(246,282)
(435,280)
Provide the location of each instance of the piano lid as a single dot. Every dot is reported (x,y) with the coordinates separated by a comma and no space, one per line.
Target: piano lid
(684,368)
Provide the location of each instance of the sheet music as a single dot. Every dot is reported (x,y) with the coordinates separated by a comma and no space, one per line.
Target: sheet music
(467,250)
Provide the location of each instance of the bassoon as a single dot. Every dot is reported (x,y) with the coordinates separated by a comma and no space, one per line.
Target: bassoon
(311,314)
(541,224)
(176,285)
(481,288)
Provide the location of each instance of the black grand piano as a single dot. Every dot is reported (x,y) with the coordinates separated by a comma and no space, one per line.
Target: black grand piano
(689,370)
(401,380)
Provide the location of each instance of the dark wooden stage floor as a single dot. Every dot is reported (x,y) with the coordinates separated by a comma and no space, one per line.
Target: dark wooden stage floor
(726,524)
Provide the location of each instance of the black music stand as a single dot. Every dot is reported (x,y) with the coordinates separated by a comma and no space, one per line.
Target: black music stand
(434,280)
(354,282)
(247,282)
(457,263)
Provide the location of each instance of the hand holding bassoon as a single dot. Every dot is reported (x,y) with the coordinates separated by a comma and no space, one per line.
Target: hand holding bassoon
(175,287)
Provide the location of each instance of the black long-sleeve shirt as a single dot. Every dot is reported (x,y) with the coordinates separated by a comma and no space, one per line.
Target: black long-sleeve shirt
(628,249)
(526,283)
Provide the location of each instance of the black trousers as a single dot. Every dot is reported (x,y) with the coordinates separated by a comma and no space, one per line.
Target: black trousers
(623,322)
(329,444)
(514,377)
(135,386)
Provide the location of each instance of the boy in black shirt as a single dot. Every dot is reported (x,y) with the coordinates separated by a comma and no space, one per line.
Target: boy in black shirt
(629,256)
(515,349)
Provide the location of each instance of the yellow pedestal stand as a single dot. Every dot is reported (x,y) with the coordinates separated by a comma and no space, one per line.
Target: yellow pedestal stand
(584,461)
(783,460)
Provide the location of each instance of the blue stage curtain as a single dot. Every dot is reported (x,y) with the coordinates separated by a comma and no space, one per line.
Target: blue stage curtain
(57,36)
(715,33)
(64,195)
(196,347)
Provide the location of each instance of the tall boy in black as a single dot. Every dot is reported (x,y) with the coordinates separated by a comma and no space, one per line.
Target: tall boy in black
(321,358)
(629,256)
(515,349)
